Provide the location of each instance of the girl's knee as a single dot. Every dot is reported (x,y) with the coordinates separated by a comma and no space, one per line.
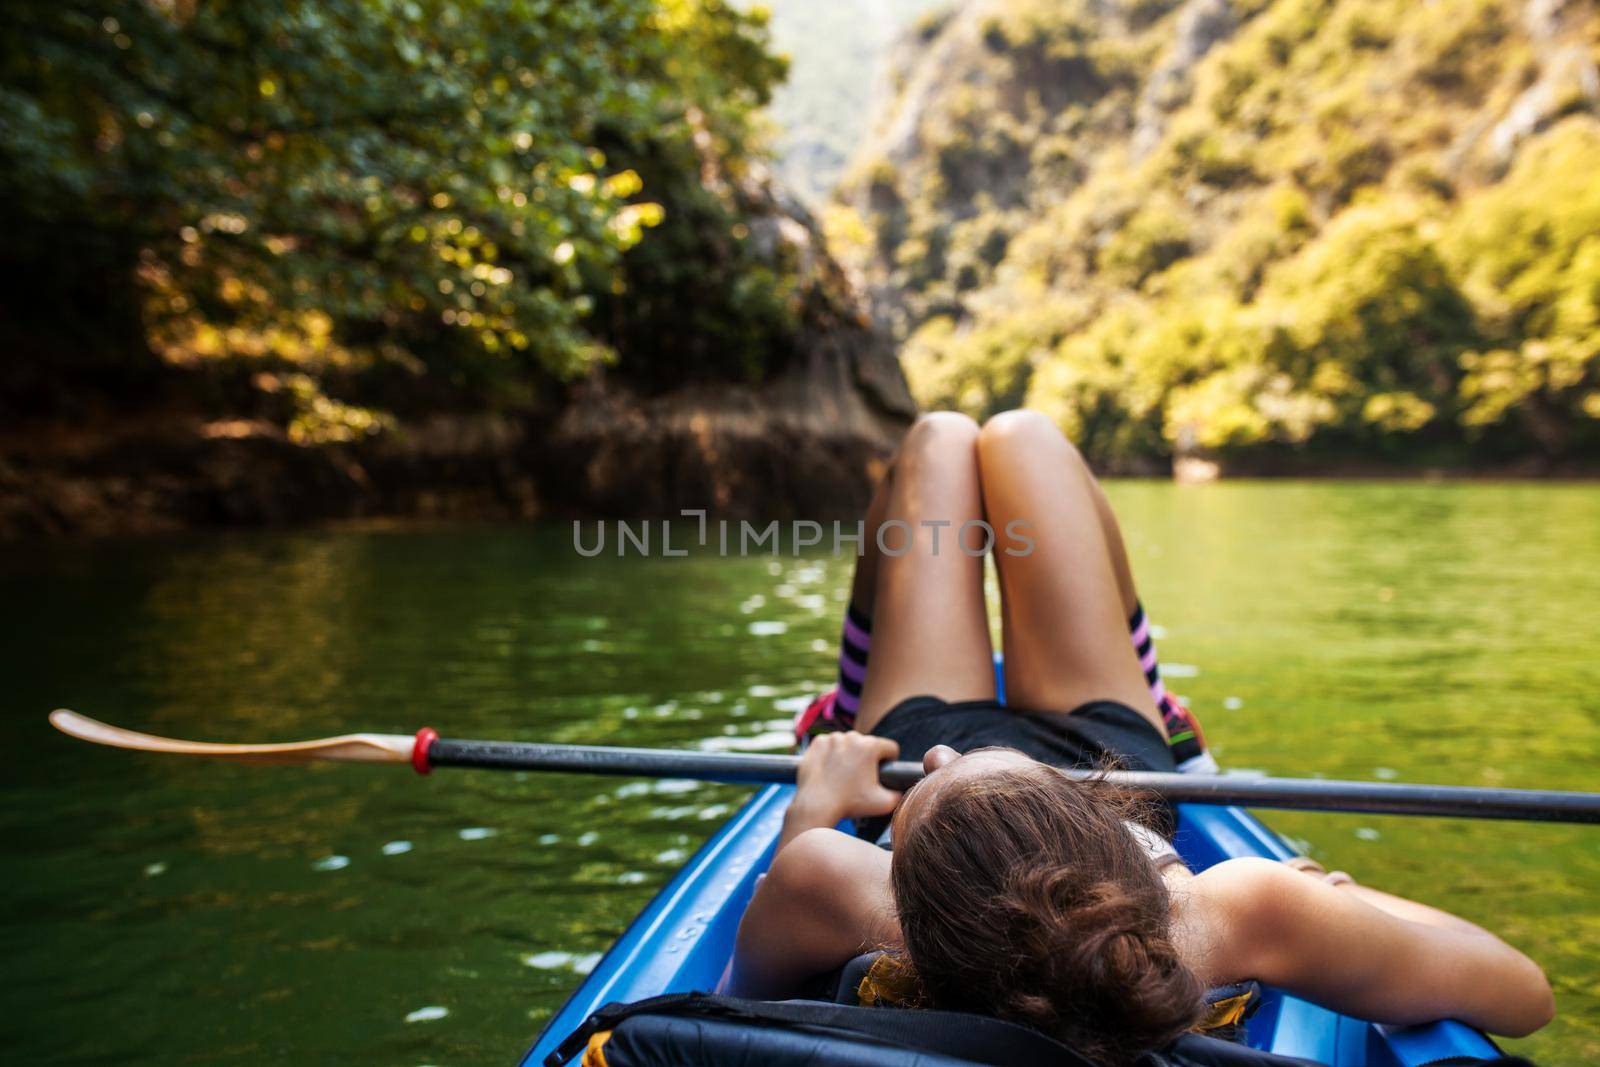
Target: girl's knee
(940,445)
(944,426)
(1021,430)
(940,435)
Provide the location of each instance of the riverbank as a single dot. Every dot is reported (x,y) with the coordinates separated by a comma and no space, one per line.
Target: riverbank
(726,450)
(810,442)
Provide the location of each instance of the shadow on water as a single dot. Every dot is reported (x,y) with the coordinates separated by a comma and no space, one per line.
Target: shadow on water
(163,911)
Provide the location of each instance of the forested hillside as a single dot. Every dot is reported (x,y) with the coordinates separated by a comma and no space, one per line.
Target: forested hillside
(240,238)
(1368,230)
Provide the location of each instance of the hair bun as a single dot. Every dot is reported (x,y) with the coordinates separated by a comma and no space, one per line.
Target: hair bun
(1096,951)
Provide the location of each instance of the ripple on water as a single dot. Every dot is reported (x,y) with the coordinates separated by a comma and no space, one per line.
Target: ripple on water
(562,961)
(547,961)
(768,741)
(768,628)
(427,1015)
(680,811)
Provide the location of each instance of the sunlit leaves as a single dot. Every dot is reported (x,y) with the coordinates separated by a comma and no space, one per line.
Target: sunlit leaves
(426,176)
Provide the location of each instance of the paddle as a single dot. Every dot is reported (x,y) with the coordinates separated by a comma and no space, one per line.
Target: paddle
(427,750)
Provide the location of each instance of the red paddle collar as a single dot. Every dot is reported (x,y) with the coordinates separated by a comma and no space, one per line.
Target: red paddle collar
(419,751)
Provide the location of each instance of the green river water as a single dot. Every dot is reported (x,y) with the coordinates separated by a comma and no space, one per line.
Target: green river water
(163,911)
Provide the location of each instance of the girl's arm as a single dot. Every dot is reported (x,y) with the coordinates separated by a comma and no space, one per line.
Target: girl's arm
(826,897)
(825,900)
(1360,952)
(1399,907)
(839,780)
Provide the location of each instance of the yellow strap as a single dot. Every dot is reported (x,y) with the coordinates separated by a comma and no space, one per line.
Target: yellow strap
(1224,1012)
(889,982)
(595,1054)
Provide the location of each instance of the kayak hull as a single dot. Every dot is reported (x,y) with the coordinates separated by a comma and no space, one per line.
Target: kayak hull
(683,940)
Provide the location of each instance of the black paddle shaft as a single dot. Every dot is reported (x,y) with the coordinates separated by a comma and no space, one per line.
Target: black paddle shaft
(1301,794)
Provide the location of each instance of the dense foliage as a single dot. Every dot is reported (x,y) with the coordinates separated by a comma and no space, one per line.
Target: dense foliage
(351,200)
(1360,228)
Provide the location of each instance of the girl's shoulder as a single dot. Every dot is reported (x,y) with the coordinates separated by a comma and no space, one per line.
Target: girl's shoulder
(1216,914)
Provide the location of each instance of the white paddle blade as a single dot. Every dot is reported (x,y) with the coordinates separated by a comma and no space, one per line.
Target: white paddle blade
(361,748)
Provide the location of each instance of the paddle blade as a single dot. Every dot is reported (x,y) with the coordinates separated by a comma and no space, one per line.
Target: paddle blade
(363,748)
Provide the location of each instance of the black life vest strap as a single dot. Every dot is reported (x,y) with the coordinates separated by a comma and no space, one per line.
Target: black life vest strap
(970,1037)
(976,1038)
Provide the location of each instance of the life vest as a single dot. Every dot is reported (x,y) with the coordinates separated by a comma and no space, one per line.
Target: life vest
(716,1031)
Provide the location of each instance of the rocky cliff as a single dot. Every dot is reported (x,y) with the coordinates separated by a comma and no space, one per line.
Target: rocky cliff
(808,442)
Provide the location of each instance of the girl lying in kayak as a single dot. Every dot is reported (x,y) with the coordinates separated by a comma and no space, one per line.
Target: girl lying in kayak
(1011,890)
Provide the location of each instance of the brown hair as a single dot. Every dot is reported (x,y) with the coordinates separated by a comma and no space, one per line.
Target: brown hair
(1022,895)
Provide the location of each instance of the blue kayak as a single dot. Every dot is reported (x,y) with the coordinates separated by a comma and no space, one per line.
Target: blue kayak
(683,941)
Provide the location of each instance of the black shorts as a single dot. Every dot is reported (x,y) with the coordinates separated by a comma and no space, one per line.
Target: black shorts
(1101,733)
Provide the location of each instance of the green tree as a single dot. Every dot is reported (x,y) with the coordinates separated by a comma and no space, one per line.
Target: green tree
(1529,251)
(436,188)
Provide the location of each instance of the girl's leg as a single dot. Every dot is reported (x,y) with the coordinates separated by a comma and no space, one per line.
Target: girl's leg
(1183,729)
(855,640)
(864,583)
(1114,545)
(1065,604)
(930,631)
